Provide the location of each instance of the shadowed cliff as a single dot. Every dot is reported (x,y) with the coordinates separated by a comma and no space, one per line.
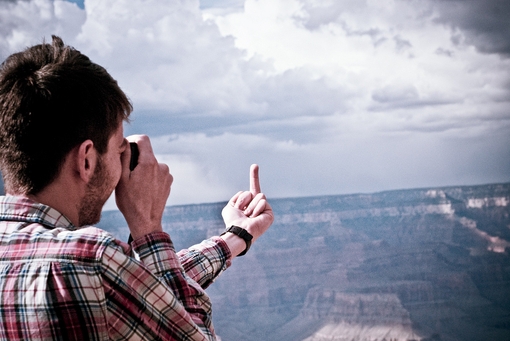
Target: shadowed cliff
(425,264)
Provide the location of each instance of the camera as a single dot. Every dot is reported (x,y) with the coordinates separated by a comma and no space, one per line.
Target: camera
(134,155)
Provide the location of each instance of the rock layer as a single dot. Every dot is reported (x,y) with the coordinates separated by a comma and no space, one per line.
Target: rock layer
(425,264)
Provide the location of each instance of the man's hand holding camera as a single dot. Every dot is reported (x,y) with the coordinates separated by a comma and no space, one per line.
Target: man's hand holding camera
(141,194)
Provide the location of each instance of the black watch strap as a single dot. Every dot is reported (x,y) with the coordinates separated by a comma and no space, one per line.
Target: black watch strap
(239,231)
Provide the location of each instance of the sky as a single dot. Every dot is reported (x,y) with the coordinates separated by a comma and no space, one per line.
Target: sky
(327,96)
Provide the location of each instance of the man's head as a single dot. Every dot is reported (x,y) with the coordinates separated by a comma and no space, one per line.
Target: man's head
(53,98)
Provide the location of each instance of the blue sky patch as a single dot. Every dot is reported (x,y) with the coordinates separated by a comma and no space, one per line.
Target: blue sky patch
(80,3)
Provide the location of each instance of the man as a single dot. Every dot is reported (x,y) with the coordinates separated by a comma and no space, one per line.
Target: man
(62,153)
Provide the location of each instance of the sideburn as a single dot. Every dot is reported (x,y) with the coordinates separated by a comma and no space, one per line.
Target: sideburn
(92,204)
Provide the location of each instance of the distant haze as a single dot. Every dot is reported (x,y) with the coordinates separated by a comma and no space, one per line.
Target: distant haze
(328,97)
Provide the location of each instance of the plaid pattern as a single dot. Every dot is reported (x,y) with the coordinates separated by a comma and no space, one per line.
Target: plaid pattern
(58,282)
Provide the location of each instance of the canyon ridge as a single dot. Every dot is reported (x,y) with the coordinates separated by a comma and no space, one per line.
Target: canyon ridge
(422,264)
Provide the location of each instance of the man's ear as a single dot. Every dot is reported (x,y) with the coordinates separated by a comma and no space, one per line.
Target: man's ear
(86,159)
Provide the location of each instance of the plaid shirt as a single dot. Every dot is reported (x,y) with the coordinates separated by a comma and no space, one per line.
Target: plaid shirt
(59,282)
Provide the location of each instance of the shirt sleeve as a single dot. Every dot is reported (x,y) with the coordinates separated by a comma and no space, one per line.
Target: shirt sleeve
(204,262)
(154,298)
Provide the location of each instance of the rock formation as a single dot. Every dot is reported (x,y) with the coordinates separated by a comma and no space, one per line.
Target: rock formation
(425,264)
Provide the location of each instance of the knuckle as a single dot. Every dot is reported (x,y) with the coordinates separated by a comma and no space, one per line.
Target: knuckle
(164,168)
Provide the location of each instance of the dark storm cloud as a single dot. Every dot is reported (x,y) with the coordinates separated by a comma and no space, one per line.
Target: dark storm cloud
(282,103)
(485,23)
(404,97)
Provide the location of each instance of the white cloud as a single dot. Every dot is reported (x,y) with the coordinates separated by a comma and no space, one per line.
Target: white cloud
(165,56)
(25,23)
(383,53)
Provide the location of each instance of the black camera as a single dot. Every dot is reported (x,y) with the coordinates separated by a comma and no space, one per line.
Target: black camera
(132,164)
(134,155)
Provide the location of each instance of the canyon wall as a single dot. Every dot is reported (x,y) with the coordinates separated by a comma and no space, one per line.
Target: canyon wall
(424,264)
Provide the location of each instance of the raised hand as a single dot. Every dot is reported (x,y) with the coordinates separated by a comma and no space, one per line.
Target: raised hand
(141,194)
(249,209)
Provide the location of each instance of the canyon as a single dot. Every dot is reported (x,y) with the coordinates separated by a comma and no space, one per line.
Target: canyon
(420,264)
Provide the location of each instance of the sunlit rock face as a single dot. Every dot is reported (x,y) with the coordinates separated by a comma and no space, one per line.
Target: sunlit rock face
(351,316)
(426,264)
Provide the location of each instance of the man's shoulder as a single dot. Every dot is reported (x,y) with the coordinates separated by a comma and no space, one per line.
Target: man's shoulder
(92,232)
(87,241)
(35,241)
(39,229)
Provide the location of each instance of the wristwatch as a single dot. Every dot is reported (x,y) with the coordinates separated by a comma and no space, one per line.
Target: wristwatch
(239,231)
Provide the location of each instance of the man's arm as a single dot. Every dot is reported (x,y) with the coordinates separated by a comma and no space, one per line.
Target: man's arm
(248,210)
(153,300)
(154,296)
(204,262)
(141,197)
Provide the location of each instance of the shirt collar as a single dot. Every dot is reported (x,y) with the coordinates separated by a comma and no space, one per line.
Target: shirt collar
(14,208)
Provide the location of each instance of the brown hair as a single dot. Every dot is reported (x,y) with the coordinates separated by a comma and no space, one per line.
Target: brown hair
(52,98)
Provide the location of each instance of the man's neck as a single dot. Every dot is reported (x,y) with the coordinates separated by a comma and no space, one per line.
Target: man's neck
(61,196)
